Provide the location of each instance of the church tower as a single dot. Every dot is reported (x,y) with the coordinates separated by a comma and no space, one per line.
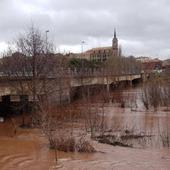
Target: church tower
(115,44)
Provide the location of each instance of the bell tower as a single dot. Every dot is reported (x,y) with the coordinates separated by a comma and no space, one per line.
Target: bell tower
(115,44)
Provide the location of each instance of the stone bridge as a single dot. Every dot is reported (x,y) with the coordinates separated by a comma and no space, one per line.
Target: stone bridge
(103,80)
(10,86)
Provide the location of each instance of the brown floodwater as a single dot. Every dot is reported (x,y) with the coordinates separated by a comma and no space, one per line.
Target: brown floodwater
(155,125)
(28,149)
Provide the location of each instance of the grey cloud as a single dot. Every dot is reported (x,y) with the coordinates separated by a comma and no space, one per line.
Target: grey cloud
(70,21)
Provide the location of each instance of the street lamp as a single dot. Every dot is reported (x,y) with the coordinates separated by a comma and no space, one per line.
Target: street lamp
(82,45)
(46,38)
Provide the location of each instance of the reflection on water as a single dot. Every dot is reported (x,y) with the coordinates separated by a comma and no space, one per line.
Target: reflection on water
(28,150)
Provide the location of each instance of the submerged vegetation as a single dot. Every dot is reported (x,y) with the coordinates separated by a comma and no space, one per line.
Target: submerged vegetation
(156,93)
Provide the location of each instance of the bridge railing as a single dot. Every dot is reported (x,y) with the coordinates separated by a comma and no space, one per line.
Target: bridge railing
(100,73)
(72,73)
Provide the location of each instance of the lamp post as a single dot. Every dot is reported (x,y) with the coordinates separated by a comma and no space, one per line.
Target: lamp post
(82,45)
(46,39)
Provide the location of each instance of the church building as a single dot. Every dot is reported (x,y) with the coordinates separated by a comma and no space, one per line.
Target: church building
(101,54)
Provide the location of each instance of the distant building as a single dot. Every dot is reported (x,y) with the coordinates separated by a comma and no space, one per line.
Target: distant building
(103,53)
(100,53)
(143,59)
(150,65)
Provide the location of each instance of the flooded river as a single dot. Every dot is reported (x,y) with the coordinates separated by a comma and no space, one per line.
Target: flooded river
(155,125)
(28,149)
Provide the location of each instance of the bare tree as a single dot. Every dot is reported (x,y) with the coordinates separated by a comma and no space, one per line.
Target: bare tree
(120,65)
(155,93)
(145,97)
(35,71)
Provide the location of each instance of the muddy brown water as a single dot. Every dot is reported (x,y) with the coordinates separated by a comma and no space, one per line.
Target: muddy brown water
(155,125)
(28,149)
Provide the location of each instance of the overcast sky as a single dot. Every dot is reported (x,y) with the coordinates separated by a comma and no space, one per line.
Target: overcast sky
(142,26)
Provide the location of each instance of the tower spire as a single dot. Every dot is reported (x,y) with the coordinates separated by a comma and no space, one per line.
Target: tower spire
(114,32)
(115,48)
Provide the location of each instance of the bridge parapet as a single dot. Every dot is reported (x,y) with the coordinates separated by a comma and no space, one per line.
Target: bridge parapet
(93,72)
(102,80)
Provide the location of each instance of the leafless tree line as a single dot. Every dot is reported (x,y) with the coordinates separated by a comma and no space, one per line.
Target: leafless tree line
(120,65)
(156,93)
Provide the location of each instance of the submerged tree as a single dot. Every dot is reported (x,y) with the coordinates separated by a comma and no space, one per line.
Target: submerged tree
(155,93)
